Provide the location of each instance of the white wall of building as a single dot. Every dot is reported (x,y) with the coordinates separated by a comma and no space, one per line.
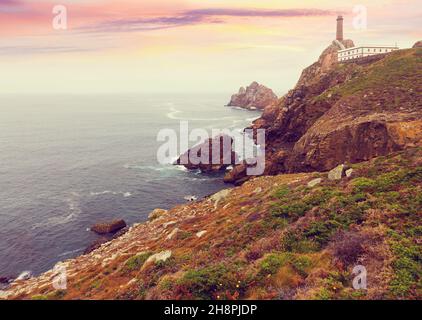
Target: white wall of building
(361,52)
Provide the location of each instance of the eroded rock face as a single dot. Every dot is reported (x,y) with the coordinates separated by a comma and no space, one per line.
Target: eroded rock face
(418,44)
(343,114)
(254,96)
(213,155)
(108,227)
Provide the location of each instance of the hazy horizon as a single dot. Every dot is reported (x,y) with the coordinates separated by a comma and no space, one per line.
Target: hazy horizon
(182,46)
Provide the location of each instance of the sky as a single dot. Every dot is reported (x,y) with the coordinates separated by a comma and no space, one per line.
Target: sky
(182,46)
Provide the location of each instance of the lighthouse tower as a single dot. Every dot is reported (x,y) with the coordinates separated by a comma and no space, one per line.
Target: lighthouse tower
(339,36)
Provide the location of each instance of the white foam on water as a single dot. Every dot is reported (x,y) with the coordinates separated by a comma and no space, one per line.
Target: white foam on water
(66,253)
(74,211)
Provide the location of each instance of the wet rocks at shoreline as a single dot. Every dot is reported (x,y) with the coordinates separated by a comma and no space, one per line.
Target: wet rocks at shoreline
(108,227)
(213,155)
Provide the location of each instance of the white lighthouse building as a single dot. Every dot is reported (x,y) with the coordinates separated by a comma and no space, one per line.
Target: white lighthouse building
(356,53)
(363,51)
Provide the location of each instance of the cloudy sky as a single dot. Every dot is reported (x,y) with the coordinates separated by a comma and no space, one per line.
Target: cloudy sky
(189,46)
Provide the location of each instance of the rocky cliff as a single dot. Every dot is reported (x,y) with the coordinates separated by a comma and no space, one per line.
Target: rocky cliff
(344,113)
(255,96)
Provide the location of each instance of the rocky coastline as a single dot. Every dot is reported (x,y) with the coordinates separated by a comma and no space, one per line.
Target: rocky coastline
(342,187)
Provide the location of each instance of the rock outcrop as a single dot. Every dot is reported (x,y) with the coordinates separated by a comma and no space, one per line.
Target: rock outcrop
(255,96)
(108,227)
(418,44)
(157,213)
(213,155)
(343,113)
(326,62)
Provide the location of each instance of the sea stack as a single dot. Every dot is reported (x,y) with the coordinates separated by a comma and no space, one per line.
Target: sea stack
(255,96)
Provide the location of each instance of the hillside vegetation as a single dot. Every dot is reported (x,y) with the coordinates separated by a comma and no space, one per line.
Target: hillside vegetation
(272,238)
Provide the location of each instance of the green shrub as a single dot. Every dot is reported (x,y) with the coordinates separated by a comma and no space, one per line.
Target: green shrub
(302,265)
(322,231)
(407,267)
(272,262)
(282,192)
(137,261)
(208,282)
(363,184)
(294,210)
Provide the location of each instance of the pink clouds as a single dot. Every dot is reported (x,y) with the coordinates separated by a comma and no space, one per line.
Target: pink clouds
(24,17)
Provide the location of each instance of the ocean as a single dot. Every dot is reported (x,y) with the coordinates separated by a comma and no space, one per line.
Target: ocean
(70,161)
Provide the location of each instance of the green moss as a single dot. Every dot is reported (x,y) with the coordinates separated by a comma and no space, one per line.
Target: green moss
(137,261)
(323,294)
(407,267)
(322,231)
(363,184)
(282,192)
(302,265)
(210,282)
(272,262)
(296,204)
(167,284)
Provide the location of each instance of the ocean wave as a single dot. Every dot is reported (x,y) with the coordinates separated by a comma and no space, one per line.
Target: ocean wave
(173,112)
(74,211)
(66,253)
(124,194)
(252,119)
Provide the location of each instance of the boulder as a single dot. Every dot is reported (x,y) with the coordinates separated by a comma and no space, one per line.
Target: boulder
(220,196)
(4,280)
(156,213)
(169,223)
(201,233)
(237,174)
(255,96)
(25,275)
(108,227)
(336,173)
(173,234)
(349,173)
(161,256)
(314,182)
(213,155)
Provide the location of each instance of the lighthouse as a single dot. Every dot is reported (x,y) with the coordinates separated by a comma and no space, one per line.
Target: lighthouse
(339,36)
